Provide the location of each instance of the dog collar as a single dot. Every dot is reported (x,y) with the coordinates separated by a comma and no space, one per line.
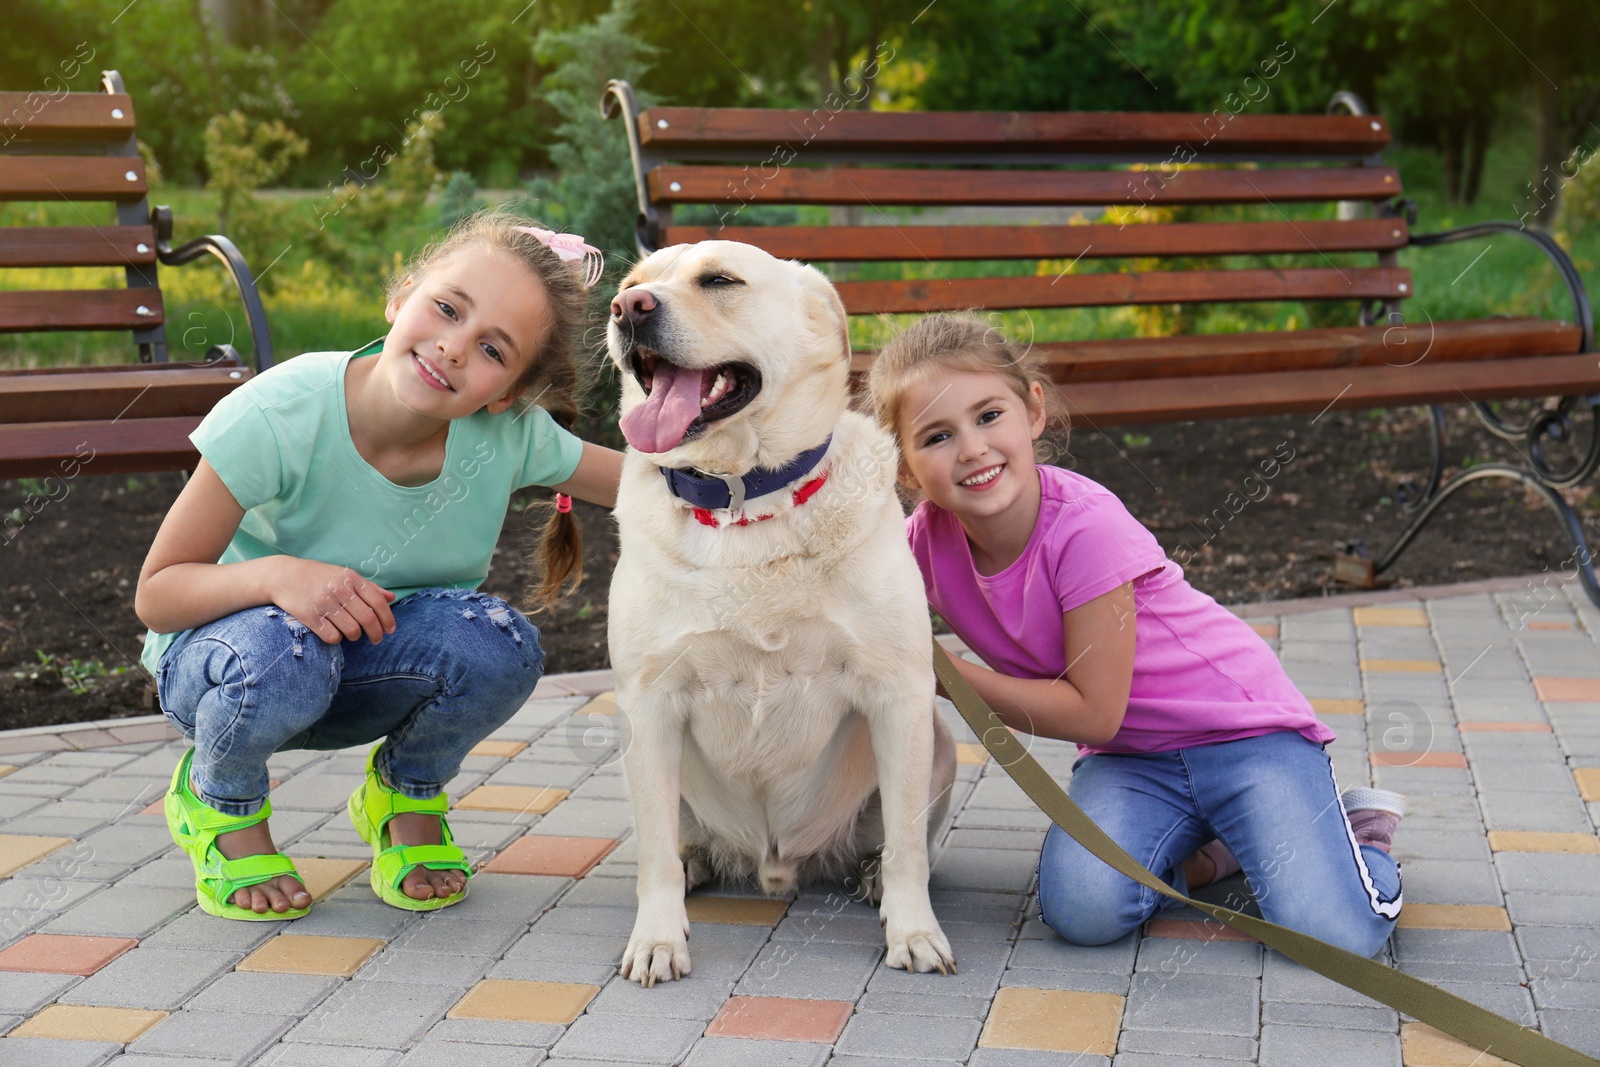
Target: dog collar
(715,492)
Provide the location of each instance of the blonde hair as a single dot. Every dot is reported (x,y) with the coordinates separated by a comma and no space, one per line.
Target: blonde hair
(953,342)
(551,375)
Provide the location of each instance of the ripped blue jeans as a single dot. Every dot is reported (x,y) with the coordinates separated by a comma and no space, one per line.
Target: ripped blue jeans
(458,665)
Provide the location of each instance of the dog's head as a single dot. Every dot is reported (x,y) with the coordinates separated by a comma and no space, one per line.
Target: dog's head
(730,359)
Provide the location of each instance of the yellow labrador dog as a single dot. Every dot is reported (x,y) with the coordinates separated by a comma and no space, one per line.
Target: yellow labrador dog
(768,627)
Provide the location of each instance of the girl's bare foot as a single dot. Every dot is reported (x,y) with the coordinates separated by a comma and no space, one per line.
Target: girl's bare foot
(415,828)
(281,893)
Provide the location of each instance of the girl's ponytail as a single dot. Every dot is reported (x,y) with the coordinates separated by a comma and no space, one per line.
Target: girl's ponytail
(561,544)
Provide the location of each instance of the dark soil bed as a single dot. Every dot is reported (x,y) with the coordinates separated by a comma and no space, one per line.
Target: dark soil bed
(70,643)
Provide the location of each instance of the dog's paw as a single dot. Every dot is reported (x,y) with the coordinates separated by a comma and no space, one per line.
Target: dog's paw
(867,884)
(648,960)
(696,871)
(921,951)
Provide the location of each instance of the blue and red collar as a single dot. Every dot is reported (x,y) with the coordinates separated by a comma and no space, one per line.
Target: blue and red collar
(706,493)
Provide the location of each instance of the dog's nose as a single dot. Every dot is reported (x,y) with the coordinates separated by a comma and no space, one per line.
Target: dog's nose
(633,304)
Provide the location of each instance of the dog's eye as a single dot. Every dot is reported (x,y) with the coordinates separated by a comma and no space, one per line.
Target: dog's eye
(712,281)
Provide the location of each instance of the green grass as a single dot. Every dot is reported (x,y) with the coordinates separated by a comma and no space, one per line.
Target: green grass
(311,306)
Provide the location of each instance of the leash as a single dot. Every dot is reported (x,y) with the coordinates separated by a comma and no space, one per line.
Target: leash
(1442,1010)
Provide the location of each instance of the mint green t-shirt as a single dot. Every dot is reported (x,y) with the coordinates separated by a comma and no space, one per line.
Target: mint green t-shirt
(281,443)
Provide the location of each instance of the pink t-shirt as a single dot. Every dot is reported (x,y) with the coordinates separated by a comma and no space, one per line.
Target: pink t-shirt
(1200,674)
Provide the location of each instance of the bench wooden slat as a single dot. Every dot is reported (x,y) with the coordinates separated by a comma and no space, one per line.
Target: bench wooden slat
(142,393)
(761,132)
(1309,391)
(34,117)
(1096,241)
(72,178)
(1129,287)
(674,184)
(76,246)
(112,368)
(81,309)
(127,446)
(1131,358)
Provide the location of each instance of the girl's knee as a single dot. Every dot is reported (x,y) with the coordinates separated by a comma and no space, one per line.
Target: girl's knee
(513,656)
(1085,906)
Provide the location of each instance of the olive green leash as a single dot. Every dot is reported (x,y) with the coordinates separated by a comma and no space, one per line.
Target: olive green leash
(1443,1011)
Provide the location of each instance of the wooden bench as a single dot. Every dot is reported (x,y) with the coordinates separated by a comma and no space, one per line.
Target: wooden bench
(78,147)
(868,161)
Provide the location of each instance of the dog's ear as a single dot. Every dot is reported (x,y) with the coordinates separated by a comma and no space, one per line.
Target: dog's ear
(826,306)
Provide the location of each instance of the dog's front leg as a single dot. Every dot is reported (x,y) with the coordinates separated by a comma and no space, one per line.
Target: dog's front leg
(652,757)
(902,745)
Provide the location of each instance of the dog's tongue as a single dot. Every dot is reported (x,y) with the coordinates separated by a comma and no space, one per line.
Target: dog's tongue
(658,424)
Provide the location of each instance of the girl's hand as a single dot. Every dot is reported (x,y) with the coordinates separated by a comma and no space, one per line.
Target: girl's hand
(332,602)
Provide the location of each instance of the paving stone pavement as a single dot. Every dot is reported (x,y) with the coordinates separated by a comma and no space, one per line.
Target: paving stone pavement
(1481,702)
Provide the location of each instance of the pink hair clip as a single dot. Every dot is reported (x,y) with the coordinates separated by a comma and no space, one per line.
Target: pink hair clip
(563,503)
(572,249)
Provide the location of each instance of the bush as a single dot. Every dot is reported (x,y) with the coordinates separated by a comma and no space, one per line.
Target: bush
(244,157)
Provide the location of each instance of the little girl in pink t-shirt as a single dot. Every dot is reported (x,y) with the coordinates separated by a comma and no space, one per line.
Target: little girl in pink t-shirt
(1197,753)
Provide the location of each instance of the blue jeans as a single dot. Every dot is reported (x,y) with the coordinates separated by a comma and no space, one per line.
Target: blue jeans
(1272,801)
(458,665)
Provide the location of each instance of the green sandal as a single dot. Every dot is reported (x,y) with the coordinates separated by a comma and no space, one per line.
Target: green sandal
(195,826)
(371,808)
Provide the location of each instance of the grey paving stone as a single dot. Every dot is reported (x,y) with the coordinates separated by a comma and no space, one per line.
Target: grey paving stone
(531,773)
(892,1003)
(1039,946)
(1001,1057)
(1449,882)
(1505,998)
(47,1052)
(1575,946)
(1002,818)
(598,892)
(22,993)
(477,938)
(1373,1017)
(292,1054)
(527,970)
(483,1032)
(424,968)
(588,922)
(1187,1043)
(601,787)
(1563,993)
(1213,1004)
(123,912)
(232,1037)
(696,998)
(1545,872)
(980,968)
(1550,811)
(1550,909)
(363,916)
(263,992)
(157,978)
(376,1015)
(1296,1046)
(1411,843)
(1000,870)
(568,948)
(463,1054)
(1578,1029)
(1167,955)
(1052,978)
(509,897)
(826,928)
(197,930)
(629,1039)
(914,1037)
(1478,947)
(1150,1059)
(818,970)
(1284,980)
(740,1052)
(170,871)
(50,772)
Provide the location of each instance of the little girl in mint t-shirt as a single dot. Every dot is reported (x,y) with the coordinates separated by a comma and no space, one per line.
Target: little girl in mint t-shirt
(1197,753)
(314,585)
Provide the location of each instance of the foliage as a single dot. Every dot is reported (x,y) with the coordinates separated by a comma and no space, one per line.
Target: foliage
(244,157)
(459,198)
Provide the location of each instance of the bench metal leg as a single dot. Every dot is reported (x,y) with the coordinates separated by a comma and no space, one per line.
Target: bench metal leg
(1553,424)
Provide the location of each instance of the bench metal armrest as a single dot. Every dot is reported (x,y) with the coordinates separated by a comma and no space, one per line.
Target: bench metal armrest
(619,99)
(225,250)
(1583,315)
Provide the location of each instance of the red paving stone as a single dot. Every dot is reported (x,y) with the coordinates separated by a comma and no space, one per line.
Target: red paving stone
(1507,727)
(567,857)
(1567,689)
(781,1019)
(1190,930)
(1419,759)
(63,953)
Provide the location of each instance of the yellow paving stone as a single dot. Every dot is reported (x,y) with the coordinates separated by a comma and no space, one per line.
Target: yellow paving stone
(1328,706)
(498,749)
(534,800)
(740,911)
(19,850)
(1588,779)
(5,769)
(1542,841)
(312,954)
(74,1022)
(971,752)
(1401,666)
(1053,1020)
(1423,1046)
(1454,917)
(324,876)
(604,704)
(509,1000)
(1390,617)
